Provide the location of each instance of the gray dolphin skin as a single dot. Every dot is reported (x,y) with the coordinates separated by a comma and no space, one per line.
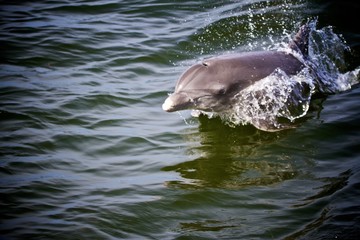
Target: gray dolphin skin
(212,84)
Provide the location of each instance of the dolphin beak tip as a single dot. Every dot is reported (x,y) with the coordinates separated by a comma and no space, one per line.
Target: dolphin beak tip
(167,105)
(176,102)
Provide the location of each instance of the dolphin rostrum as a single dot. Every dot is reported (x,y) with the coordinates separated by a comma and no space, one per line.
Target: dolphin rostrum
(211,85)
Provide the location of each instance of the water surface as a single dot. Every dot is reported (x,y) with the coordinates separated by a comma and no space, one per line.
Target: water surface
(87,152)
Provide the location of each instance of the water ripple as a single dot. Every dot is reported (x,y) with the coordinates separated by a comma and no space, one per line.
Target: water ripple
(87,152)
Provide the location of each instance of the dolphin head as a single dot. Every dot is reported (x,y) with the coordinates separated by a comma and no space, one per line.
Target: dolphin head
(205,100)
(205,86)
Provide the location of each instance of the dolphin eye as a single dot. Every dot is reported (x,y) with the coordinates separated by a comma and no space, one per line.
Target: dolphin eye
(205,64)
(221,91)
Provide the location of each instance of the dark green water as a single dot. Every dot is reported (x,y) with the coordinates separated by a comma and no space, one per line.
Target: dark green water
(86,151)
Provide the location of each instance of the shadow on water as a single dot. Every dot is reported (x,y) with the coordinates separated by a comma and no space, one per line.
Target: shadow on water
(231,158)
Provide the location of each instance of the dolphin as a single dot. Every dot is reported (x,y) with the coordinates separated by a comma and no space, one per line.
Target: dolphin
(211,85)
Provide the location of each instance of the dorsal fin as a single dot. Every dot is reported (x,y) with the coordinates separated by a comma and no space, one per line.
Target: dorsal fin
(300,42)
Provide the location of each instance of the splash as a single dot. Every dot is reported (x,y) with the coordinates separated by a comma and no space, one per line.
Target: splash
(272,103)
(275,102)
(327,60)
